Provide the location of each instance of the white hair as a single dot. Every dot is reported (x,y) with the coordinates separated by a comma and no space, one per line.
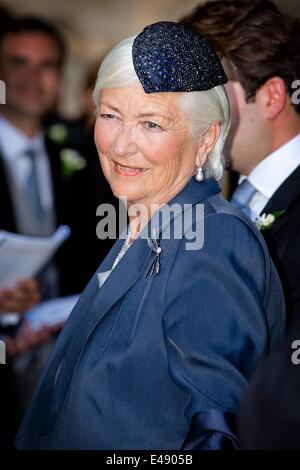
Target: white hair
(203,108)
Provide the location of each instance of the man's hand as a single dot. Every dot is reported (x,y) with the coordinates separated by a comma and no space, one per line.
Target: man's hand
(22,297)
(27,339)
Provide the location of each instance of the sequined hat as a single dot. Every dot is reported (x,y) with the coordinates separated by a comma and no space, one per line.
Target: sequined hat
(169,56)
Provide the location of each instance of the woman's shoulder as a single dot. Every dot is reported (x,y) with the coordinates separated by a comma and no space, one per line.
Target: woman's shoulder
(224,239)
(222,224)
(217,206)
(231,265)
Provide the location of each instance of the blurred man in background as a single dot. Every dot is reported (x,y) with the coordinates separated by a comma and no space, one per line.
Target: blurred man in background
(26,293)
(31,56)
(31,185)
(260,49)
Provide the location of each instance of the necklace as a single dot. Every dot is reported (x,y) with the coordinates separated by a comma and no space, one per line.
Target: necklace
(122,252)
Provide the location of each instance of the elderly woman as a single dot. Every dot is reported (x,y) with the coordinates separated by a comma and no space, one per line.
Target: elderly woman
(166,335)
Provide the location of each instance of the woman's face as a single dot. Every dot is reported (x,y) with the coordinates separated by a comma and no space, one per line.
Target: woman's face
(145,145)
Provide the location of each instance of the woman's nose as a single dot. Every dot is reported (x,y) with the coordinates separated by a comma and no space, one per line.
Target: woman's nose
(125,142)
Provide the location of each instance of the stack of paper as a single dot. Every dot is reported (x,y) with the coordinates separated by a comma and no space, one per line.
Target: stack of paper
(23,256)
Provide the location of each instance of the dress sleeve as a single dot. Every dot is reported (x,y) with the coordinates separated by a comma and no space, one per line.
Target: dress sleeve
(215,327)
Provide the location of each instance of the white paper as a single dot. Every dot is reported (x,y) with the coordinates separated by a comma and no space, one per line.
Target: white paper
(23,256)
(50,312)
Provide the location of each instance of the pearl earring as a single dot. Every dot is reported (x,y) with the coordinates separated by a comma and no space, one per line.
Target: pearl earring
(199,174)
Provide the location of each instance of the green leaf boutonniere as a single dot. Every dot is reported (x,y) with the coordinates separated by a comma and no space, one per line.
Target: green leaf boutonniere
(265,221)
(71,161)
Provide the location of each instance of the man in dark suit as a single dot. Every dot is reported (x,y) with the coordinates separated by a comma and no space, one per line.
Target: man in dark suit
(260,50)
(30,183)
(260,47)
(30,65)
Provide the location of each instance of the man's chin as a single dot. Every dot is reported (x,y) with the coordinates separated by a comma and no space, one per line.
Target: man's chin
(34,109)
(32,112)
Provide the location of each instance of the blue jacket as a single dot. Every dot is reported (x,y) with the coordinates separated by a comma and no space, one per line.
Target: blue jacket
(159,361)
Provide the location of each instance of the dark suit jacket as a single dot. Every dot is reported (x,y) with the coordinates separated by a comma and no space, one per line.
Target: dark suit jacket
(270,417)
(159,361)
(283,240)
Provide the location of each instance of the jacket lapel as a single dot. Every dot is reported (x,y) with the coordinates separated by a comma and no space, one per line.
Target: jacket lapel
(89,312)
(7,218)
(283,198)
(53,152)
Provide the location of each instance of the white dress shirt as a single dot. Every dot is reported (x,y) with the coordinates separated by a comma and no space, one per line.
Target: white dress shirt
(13,145)
(271,172)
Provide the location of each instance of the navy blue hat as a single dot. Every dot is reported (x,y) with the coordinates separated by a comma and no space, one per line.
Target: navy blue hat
(169,56)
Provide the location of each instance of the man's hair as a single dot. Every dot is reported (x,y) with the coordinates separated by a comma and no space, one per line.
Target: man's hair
(5,19)
(258,41)
(33,24)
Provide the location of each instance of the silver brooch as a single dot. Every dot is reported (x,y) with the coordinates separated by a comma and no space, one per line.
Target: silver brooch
(154,244)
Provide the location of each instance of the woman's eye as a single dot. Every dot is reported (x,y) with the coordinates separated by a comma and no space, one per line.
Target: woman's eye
(108,116)
(151,125)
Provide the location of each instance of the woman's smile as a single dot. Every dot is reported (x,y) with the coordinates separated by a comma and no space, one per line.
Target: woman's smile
(127,171)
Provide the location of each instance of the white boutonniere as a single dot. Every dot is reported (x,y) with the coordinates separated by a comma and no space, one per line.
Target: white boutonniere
(265,221)
(71,161)
(58,133)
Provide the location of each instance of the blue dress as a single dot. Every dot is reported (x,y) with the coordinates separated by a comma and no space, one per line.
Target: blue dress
(159,356)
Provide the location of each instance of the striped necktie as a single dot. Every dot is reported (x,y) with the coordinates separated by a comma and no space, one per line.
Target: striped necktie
(32,188)
(48,277)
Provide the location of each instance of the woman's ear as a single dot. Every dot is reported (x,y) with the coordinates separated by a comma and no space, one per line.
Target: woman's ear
(206,143)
